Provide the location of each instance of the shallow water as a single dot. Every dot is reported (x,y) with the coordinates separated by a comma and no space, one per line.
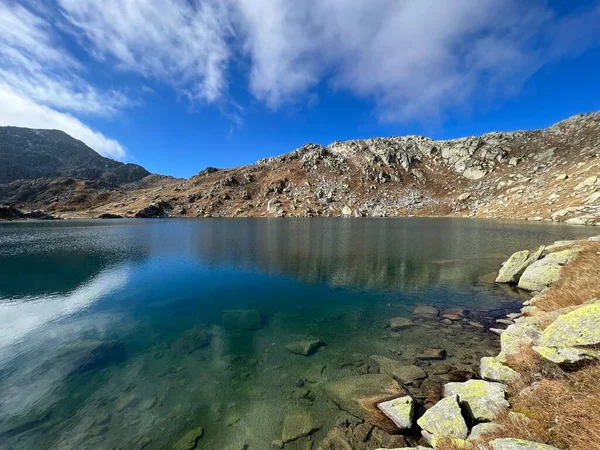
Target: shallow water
(112,333)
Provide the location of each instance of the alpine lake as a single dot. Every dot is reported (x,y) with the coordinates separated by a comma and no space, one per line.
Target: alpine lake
(160,334)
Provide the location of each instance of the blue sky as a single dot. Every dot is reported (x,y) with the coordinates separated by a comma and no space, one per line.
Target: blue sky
(178,85)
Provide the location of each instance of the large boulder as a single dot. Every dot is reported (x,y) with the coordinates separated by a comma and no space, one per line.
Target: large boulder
(517,337)
(573,337)
(400,411)
(483,400)
(405,374)
(359,395)
(518,444)
(513,267)
(492,369)
(443,420)
(546,271)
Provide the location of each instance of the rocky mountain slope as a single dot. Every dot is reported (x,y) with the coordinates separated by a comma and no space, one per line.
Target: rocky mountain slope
(549,174)
(27,154)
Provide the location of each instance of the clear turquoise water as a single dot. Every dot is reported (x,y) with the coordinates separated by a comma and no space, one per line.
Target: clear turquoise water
(97,320)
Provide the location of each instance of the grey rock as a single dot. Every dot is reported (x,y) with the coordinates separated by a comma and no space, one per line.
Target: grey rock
(519,444)
(400,410)
(483,400)
(444,419)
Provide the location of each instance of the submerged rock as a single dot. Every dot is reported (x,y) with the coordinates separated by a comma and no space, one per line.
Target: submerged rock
(573,337)
(443,420)
(359,395)
(242,319)
(426,311)
(432,354)
(492,369)
(298,425)
(400,411)
(518,444)
(190,440)
(483,400)
(400,323)
(405,374)
(306,347)
(195,339)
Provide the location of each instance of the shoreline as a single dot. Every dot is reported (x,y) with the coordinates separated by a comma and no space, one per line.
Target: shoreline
(549,354)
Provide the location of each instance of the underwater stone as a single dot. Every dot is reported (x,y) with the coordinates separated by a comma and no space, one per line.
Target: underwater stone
(426,311)
(400,323)
(405,374)
(360,394)
(242,319)
(306,347)
(190,440)
(298,425)
(432,354)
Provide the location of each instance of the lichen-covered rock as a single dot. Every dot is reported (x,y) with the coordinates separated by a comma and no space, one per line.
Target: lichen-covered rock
(516,337)
(513,267)
(546,271)
(359,395)
(492,369)
(444,419)
(400,411)
(483,400)
(405,374)
(518,444)
(572,337)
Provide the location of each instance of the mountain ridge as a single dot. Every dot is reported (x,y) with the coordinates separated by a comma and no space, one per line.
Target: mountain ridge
(546,174)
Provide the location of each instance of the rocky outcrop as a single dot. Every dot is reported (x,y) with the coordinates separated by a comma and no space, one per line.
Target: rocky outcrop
(12,213)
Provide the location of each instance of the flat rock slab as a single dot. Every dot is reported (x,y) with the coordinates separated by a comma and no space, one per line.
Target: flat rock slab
(519,444)
(432,354)
(400,411)
(298,425)
(426,311)
(405,374)
(306,347)
(190,440)
(444,420)
(400,323)
(359,395)
(241,319)
(483,400)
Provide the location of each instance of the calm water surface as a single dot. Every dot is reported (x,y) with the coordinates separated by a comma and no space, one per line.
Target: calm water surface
(112,334)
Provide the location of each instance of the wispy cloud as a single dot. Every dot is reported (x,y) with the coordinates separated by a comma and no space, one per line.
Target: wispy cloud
(412,59)
(41,84)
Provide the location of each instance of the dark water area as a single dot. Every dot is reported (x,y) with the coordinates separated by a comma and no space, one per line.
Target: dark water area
(127,334)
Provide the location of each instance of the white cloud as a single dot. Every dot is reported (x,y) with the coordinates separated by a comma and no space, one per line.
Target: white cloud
(180,42)
(41,82)
(21,111)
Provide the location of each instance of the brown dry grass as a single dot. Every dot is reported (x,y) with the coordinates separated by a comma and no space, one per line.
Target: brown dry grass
(579,282)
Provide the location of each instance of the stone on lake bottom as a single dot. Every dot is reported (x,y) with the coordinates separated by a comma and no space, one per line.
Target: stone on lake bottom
(432,354)
(190,440)
(360,394)
(400,411)
(400,323)
(306,347)
(426,311)
(298,425)
(405,374)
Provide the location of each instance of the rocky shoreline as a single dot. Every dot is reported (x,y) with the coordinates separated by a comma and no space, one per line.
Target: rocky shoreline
(474,414)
